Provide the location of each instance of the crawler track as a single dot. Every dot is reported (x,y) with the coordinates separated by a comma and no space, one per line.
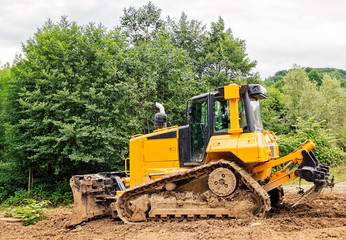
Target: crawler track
(152,201)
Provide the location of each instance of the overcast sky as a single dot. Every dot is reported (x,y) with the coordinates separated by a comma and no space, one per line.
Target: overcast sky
(278,33)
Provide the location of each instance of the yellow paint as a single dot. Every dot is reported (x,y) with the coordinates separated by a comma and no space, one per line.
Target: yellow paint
(248,147)
(147,154)
(161,150)
(231,93)
(278,179)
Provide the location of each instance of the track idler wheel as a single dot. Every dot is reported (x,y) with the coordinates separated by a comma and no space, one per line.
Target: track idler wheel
(139,206)
(222,182)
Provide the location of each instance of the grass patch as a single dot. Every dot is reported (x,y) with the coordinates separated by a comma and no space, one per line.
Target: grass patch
(339,173)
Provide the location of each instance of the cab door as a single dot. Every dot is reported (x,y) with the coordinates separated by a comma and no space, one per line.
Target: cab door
(199,127)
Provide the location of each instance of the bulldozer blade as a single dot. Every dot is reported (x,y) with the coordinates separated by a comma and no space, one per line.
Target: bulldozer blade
(79,211)
(85,206)
(93,196)
(310,194)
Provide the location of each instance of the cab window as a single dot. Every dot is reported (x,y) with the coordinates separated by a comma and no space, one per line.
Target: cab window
(221,115)
(198,124)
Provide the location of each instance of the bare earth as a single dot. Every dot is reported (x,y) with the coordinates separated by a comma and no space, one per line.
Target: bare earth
(325,218)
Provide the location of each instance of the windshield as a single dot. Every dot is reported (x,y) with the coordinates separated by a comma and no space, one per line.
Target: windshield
(256,115)
(242,115)
(222,118)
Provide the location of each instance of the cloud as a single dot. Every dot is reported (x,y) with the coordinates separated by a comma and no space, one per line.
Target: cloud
(277,33)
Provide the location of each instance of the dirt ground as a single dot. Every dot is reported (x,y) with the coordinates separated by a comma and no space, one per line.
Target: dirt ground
(325,218)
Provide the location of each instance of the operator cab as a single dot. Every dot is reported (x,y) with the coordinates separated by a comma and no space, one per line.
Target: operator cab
(209,114)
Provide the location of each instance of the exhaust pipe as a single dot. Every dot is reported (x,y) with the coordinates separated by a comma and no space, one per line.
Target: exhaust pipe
(161,107)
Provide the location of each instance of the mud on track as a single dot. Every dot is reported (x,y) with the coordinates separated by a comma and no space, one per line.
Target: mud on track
(325,218)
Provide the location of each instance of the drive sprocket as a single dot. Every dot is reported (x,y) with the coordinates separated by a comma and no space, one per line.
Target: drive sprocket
(222,182)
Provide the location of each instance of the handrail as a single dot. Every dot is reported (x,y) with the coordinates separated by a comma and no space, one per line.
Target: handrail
(164,129)
(127,172)
(137,135)
(275,138)
(307,145)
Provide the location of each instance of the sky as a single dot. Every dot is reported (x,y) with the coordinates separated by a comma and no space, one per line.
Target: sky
(278,33)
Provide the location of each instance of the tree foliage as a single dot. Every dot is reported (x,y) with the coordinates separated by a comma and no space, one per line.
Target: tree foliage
(141,24)
(189,35)
(5,78)
(226,59)
(273,112)
(157,72)
(298,109)
(68,97)
(326,152)
(314,74)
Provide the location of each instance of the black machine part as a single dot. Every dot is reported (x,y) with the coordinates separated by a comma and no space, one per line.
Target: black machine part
(160,120)
(254,91)
(257,91)
(311,171)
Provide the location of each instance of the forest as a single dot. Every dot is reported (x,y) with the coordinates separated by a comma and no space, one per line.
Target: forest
(71,101)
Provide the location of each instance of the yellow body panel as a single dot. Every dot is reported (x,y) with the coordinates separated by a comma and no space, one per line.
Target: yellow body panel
(250,148)
(232,94)
(153,158)
(231,91)
(161,150)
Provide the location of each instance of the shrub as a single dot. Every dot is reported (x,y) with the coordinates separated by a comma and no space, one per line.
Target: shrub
(56,194)
(20,197)
(62,194)
(10,180)
(30,213)
(325,150)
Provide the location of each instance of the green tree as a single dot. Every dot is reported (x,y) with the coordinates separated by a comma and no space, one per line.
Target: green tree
(299,96)
(326,152)
(67,91)
(276,79)
(305,103)
(272,110)
(141,24)
(10,177)
(226,58)
(314,76)
(191,36)
(5,76)
(332,108)
(158,71)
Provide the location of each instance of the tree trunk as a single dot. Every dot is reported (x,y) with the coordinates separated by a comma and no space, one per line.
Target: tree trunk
(31,179)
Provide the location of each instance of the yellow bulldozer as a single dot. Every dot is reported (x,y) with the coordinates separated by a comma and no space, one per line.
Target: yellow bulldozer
(221,163)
